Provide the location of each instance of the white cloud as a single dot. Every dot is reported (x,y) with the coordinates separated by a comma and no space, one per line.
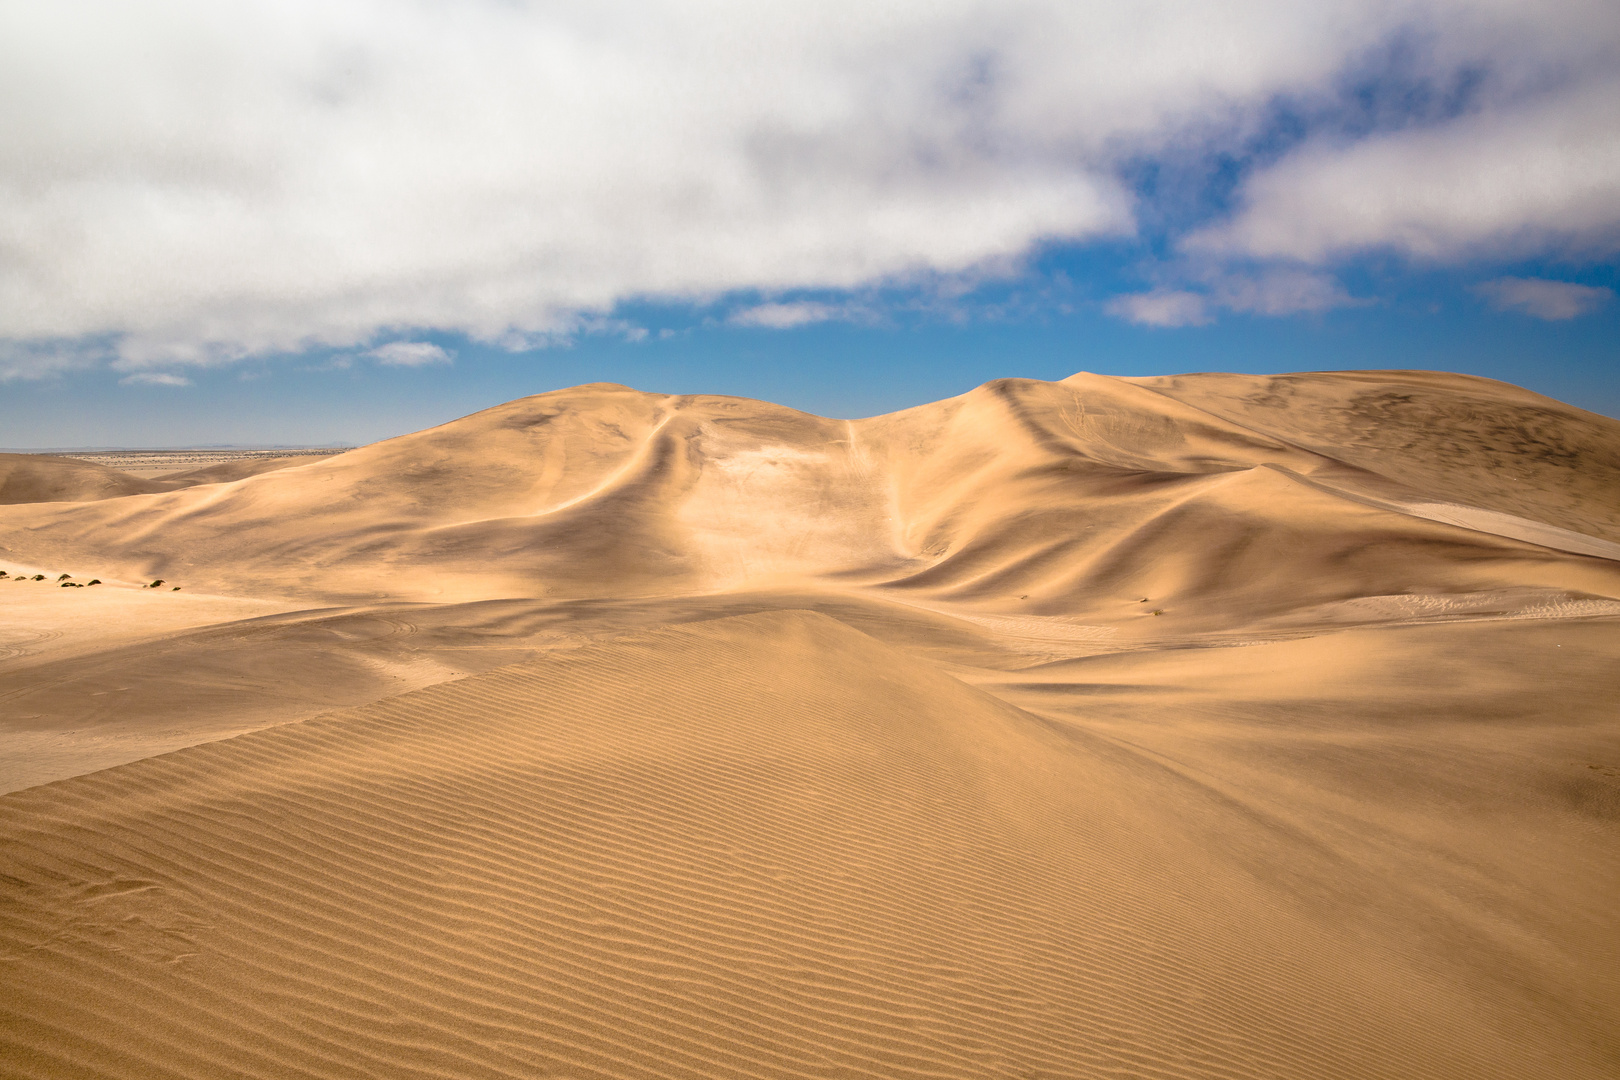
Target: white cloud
(1537,176)
(198,183)
(1161,307)
(409,354)
(155,378)
(1543,298)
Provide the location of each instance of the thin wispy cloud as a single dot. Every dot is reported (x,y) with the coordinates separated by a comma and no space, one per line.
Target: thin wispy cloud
(1273,292)
(197,184)
(410,354)
(1279,291)
(38,360)
(1161,307)
(786,316)
(1544,299)
(155,378)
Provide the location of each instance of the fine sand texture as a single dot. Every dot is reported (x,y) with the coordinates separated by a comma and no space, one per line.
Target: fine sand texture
(1203,726)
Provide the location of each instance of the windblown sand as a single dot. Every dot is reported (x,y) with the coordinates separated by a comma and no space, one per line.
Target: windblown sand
(1214,726)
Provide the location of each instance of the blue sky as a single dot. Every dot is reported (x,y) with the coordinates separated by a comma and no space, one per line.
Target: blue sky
(1430,321)
(310,223)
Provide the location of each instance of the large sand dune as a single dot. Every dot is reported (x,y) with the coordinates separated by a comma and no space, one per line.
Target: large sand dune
(1037,496)
(1207,726)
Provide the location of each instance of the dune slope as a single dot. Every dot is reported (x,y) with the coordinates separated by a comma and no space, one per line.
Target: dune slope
(1461,438)
(41,478)
(762,846)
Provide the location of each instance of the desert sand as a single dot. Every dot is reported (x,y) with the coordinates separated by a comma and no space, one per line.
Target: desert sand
(1200,726)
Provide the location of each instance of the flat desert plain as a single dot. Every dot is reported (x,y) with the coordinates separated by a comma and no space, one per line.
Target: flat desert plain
(1199,726)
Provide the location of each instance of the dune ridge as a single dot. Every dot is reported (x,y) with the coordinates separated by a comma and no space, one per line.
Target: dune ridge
(1062,492)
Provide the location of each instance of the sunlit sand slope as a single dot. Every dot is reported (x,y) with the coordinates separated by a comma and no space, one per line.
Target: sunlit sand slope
(766,846)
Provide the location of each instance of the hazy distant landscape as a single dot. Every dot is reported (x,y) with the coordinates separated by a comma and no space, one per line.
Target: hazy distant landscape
(149,463)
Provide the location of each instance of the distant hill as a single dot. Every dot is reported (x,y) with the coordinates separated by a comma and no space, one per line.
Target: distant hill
(37,478)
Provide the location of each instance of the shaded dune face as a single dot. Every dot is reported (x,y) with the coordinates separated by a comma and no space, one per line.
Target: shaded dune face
(1071,496)
(1042,497)
(41,478)
(1466,439)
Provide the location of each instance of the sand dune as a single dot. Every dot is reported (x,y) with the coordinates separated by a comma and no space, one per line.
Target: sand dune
(239,469)
(34,478)
(765,846)
(1205,726)
(1029,495)
(1478,442)
(46,478)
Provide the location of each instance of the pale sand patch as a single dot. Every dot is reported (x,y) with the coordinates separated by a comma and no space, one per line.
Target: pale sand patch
(39,620)
(1045,636)
(1409,608)
(1516,528)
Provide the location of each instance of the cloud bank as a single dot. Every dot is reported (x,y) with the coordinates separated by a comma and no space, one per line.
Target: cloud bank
(1524,179)
(185,183)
